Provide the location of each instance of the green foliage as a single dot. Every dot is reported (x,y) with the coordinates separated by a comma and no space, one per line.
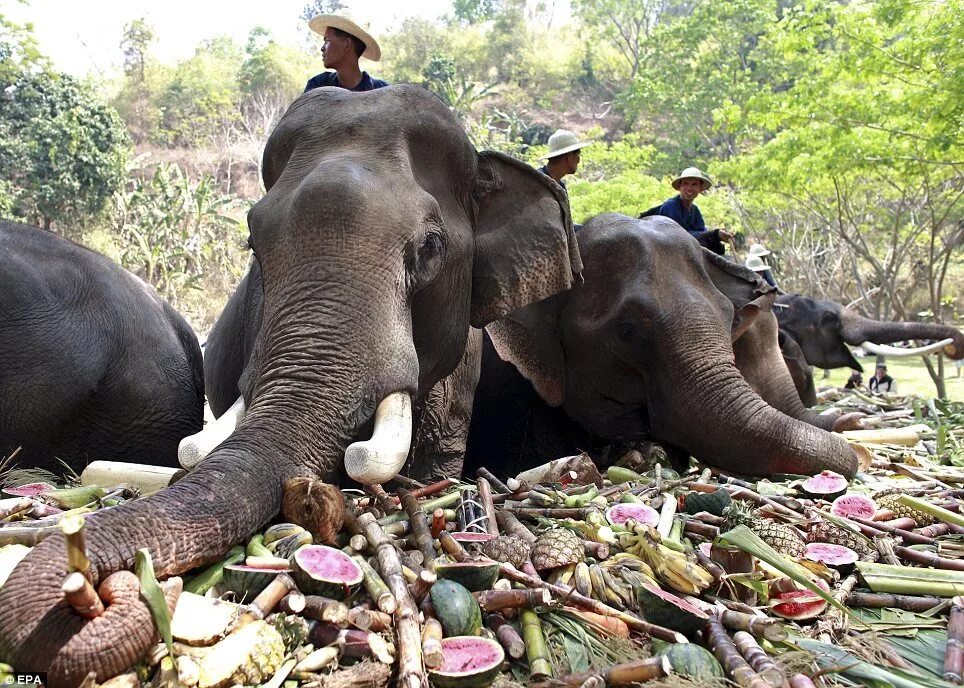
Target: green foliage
(173,231)
(135,44)
(63,151)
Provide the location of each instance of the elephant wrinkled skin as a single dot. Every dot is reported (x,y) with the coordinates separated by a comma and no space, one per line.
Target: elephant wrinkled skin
(95,364)
(663,340)
(382,236)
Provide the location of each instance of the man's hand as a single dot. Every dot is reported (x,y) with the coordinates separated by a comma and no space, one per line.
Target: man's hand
(725,235)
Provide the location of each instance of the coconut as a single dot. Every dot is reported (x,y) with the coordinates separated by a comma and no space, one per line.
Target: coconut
(852,505)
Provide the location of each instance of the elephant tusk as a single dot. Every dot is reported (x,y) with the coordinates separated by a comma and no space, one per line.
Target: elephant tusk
(897,352)
(194,448)
(379,459)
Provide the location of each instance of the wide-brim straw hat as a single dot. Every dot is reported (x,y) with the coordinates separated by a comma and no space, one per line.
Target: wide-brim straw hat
(563,141)
(692,173)
(759,250)
(319,23)
(756,263)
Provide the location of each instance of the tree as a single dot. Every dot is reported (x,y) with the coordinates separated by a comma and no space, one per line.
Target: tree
(137,39)
(316,7)
(63,150)
(475,11)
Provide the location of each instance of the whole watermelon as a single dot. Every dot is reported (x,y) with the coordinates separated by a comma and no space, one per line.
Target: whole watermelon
(456,609)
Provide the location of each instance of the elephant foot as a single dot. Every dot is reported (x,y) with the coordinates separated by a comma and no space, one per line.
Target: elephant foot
(849,421)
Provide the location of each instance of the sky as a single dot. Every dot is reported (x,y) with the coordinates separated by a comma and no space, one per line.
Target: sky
(82,36)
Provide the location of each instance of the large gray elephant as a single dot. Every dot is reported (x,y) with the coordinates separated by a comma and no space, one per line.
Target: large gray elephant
(822,330)
(663,340)
(382,237)
(95,365)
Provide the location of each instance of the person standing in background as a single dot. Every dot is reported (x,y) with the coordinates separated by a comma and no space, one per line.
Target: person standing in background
(345,43)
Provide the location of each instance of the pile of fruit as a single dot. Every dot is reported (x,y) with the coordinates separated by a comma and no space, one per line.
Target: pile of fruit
(564,576)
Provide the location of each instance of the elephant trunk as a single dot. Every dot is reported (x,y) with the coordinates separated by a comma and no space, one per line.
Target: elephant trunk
(739,430)
(857,330)
(232,494)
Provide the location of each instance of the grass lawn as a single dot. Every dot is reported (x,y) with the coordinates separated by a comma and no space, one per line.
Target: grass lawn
(909,374)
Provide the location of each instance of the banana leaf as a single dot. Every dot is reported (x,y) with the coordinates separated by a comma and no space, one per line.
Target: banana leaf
(154,597)
(748,541)
(853,670)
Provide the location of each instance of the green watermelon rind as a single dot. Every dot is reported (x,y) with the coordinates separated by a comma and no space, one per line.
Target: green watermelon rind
(692,660)
(475,576)
(456,609)
(665,609)
(462,679)
(247,581)
(311,584)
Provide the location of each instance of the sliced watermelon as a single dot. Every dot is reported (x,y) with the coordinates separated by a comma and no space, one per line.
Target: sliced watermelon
(618,514)
(323,570)
(469,662)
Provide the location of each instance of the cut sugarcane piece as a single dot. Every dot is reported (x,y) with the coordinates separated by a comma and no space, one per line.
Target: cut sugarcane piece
(907,580)
(200,621)
(145,479)
(906,437)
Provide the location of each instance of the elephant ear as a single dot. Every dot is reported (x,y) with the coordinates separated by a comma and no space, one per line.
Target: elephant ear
(525,247)
(530,340)
(748,292)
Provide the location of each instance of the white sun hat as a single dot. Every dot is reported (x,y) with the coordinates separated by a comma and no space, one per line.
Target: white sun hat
(759,250)
(692,173)
(561,142)
(319,23)
(756,263)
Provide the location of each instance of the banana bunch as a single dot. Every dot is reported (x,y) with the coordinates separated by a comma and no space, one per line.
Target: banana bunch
(624,561)
(594,528)
(671,567)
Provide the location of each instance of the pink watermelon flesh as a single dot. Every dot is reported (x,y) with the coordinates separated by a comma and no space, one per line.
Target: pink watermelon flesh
(851,505)
(706,548)
(469,655)
(329,564)
(466,536)
(618,514)
(800,611)
(825,483)
(831,555)
(28,490)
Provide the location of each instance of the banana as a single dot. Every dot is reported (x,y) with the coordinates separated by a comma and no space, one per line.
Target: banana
(562,576)
(598,583)
(279,531)
(622,591)
(582,580)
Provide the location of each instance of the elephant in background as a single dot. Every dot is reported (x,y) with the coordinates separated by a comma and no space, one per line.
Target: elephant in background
(663,340)
(822,330)
(383,235)
(95,365)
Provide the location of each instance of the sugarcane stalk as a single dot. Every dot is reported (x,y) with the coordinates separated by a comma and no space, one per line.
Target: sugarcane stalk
(577,513)
(760,626)
(885,548)
(902,523)
(730,604)
(937,512)
(362,644)
(568,595)
(694,527)
(928,559)
(420,527)
(213,574)
(932,531)
(410,673)
(438,522)
(268,599)
(28,536)
(513,526)
(711,566)
(326,610)
(446,501)
(730,658)
(666,514)
(432,643)
(493,480)
(292,603)
(625,674)
(872,528)
(911,581)
(376,587)
(369,619)
(911,603)
(422,585)
(514,646)
(954,654)
(495,600)
(81,595)
(73,527)
(430,490)
(536,652)
(596,550)
(382,498)
(758,659)
(485,496)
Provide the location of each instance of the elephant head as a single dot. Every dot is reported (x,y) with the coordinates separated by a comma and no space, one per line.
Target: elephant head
(382,236)
(643,348)
(823,329)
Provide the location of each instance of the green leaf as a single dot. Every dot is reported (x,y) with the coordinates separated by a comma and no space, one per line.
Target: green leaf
(154,597)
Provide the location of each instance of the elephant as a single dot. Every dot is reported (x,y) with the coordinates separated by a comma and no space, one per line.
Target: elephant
(662,340)
(381,237)
(96,365)
(821,331)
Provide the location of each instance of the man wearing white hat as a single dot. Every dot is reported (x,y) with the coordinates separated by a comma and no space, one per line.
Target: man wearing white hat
(563,155)
(345,43)
(754,261)
(691,183)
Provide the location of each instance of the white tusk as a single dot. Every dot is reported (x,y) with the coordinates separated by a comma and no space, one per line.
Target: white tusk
(379,459)
(194,448)
(897,352)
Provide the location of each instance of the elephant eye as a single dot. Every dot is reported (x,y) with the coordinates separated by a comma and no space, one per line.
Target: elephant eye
(251,243)
(626,331)
(428,260)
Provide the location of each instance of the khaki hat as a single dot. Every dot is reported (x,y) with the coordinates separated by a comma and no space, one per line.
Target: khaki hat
(319,23)
(756,263)
(561,142)
(759,250)
(692,173)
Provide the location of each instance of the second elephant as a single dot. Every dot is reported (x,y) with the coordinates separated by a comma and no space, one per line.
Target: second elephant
(665,341)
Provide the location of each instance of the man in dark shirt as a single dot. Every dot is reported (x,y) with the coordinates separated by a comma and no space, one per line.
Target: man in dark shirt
(882,382)
(563,156)
(345,43)
(691,183)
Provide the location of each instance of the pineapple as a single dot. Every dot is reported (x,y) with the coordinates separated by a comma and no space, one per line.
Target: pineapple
(888,500)
(835,535)
(780,537)
(507,549)
(557,547)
